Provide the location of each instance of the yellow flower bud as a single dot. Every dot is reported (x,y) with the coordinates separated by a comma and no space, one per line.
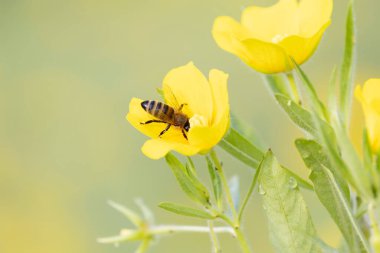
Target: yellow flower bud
(267,36)
(205,104)
(369,97)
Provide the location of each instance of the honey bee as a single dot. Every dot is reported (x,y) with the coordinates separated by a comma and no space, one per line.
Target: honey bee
(167,115)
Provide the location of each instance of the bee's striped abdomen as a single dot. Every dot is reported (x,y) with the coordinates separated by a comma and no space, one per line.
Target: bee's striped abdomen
(158,109)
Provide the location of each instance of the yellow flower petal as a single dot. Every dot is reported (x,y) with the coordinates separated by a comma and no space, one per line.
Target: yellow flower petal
(268,35)
(321,12)
(218,82)
(228,34)
(187,85)
(369,97)
(371,90)
(267,23)
(207,137)
(302,48)
(267,57)
(158,148)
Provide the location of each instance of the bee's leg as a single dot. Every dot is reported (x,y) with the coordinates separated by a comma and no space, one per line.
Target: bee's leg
(181,106)
(184,134)
(166,129)
(152,121)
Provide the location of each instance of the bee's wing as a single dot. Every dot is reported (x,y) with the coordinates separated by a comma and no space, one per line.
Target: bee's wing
(170,98)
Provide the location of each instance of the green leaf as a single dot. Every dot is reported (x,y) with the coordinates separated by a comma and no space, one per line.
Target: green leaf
(250,191)
(148,214)
(332,96)
(191,173)
(187,184)
(331,195)
(313,155)
(360,178)
(290,225)
(348,65)
(131,215)
(186,211)
(216,182)
(300,116)
(239,147)
(315,102)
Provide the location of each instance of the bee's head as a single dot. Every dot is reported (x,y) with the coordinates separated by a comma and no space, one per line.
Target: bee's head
(187,126)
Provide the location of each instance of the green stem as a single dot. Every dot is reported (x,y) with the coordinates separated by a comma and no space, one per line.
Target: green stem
(293,87)
(234,223)
(219,169)
(242,241)
(214,238)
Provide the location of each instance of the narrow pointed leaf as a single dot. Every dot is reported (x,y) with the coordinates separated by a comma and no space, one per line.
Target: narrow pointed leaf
(348,65)
(131,215)
(312,95)
(186,183)
(290,225)
(148,214)
(238,146)
(186,211)
(242,149)
(300,116)
(191,173)
(215,181)
(250,191)
(331,195)
(332,91)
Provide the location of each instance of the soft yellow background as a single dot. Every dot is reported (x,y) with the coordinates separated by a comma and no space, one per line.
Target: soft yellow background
(67,72)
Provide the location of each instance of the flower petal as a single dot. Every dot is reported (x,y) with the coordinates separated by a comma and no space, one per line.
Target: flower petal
(369,96)
(207,137)
(138,115)
(267,57)
(187,85)
(158,148)
(218,82)
(313,14)
(371,90)
(267,23)
(302,48)
(228,34)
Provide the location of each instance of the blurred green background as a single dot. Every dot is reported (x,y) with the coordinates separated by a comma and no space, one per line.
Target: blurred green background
(67,72)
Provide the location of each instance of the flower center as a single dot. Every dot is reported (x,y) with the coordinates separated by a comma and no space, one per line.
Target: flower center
(198,120)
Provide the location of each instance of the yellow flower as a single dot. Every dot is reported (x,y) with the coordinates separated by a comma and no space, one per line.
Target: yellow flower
(369,97)
(266,37)
(205,103)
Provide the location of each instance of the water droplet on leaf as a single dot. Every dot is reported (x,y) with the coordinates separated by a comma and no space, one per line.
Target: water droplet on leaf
(289,103)
(292,183)
(261,190)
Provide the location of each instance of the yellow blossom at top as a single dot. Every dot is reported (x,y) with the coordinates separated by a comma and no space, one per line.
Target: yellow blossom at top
(204,103)
(369,97)
(267,36)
